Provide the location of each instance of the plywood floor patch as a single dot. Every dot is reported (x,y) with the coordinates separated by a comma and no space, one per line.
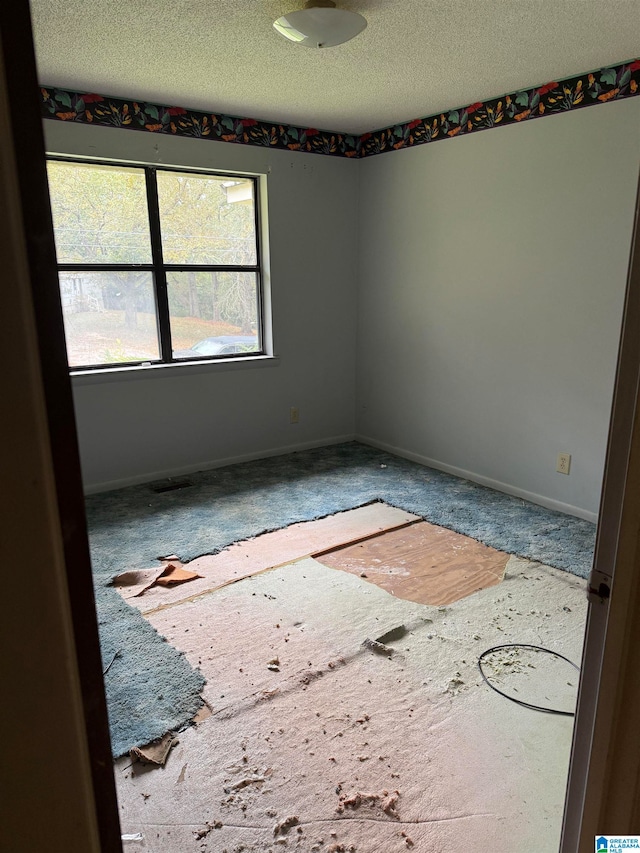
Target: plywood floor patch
(421,562)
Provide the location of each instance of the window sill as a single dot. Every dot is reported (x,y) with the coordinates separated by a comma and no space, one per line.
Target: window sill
(149,371)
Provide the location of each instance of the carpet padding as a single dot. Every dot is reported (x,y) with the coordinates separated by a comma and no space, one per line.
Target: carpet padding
(150,686)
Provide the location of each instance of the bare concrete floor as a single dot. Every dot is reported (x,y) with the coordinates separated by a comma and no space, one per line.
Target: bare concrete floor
(316,742)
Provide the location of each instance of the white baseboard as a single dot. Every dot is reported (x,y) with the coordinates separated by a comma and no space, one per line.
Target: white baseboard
(542,500)
(152,476)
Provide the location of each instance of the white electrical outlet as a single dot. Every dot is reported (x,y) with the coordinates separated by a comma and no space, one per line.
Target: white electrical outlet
(563,465)
(294,415)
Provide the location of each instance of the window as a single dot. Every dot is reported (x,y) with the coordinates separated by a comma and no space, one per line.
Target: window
(155,265)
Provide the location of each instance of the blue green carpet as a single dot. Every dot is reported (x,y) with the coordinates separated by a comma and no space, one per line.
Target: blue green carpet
(150,686)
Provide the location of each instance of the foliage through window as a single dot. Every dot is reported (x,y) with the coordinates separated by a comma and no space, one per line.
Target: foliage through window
(155,265)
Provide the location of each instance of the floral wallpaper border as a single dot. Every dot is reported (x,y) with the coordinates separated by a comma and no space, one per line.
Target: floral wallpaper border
(589,89)
(585,90)
(89,108)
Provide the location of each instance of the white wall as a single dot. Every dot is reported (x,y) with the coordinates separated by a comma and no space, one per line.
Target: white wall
(491,281)
(155,425)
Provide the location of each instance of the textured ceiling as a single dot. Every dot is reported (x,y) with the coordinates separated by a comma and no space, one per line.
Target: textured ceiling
(415,58)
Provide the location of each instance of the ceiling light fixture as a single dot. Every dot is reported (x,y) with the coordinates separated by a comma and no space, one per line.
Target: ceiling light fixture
(320,24)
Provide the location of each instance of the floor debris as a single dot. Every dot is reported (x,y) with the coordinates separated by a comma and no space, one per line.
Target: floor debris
(249,780)
(173,575)
(384,800)
(202,833)
(378,648)
(393,635)
(285,825)
(134,583)
(455,684)
(156,752)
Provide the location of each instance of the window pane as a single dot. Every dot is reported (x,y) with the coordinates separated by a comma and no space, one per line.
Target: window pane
(213,313)
(99,214)
(206,219)
(109,317)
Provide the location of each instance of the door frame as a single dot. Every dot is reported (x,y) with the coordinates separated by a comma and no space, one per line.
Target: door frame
(603,789)
(39,329)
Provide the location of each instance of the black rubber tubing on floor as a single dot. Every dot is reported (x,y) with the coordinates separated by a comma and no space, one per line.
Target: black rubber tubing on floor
(521,701)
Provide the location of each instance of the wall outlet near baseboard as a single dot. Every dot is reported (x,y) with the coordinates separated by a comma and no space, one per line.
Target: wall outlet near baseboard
(294,415)
(563,465)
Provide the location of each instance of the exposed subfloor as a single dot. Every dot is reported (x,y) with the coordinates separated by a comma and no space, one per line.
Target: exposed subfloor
(317,742)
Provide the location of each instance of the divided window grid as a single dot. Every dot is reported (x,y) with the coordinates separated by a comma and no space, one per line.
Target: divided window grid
(156,265)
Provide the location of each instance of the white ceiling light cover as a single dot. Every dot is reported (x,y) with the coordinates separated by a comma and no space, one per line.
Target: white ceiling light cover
(319,25)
